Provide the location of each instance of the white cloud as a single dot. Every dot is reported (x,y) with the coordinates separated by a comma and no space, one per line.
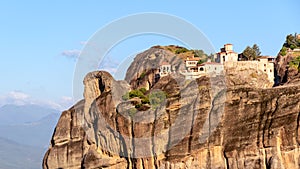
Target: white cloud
(14,97)
(73,54)
(21,98)
(17,95)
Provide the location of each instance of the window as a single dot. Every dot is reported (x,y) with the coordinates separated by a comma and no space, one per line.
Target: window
(201,69)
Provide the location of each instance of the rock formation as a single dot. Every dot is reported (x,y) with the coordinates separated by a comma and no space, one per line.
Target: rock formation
(202,123)
(285,73)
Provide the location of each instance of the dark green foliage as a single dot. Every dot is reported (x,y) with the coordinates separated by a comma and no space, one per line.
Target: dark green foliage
(256,49)
(136,93)
(138,106)
(181,50)
(292,41)
(251,53)
(295,63)
(155,98)
(283,51)
(145,100)
(143,90)
(200,61)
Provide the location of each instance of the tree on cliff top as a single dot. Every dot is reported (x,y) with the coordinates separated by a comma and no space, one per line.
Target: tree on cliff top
(251,53)
(292,41)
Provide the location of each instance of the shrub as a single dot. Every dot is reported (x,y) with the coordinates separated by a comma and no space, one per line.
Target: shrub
(181,50)
(145,100)
(283,51)
(293,46)
(156,98)
(143,90)
(136,93)
(295,63)
(138,106)
(200,61)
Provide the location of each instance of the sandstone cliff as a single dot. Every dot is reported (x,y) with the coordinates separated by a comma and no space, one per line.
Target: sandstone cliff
(287,74)
(202,123)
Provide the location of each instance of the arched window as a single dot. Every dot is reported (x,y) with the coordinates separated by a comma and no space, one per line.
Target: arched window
(201,69)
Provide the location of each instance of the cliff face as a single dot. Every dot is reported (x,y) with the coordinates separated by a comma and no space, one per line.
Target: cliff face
(203,123)
(285,73)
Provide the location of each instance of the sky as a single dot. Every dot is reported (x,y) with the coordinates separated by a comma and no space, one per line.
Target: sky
(40,41)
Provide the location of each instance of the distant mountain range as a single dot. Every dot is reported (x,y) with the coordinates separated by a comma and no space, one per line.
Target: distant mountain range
(17,156)
(25,133)
(15,114)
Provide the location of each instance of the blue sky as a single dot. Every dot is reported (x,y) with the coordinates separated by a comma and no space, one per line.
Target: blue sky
(39,39)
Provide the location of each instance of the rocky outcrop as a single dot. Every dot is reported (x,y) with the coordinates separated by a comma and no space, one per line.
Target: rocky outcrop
(285,73)
(216,122)
(141,72)
(247,78)
(258,128)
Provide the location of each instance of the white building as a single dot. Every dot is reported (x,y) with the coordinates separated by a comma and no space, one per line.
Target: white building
(229,58)
(207,68)
(164,69)
(191,62)
(226,54)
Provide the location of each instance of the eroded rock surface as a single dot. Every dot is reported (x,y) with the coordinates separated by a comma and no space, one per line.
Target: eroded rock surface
(258,128)
(218,122)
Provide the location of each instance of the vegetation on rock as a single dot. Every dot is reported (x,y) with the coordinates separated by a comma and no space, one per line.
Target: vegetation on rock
(292,41)
(295,63)
(251,53)
(154,98)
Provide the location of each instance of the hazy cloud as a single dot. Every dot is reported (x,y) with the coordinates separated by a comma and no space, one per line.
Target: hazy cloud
(17,95)
(73,54)
(21,98)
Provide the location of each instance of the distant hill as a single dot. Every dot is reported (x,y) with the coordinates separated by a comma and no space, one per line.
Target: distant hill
(33,134)
(25,133)
(15,114)
(17,156)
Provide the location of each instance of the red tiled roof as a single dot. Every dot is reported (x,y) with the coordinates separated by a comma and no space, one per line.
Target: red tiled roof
(164,63)
(192,59)
(209,63)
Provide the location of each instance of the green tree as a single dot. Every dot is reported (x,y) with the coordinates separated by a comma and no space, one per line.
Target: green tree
(200,61)
(292,41)
(256,49)
(283,51)
(251,53)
